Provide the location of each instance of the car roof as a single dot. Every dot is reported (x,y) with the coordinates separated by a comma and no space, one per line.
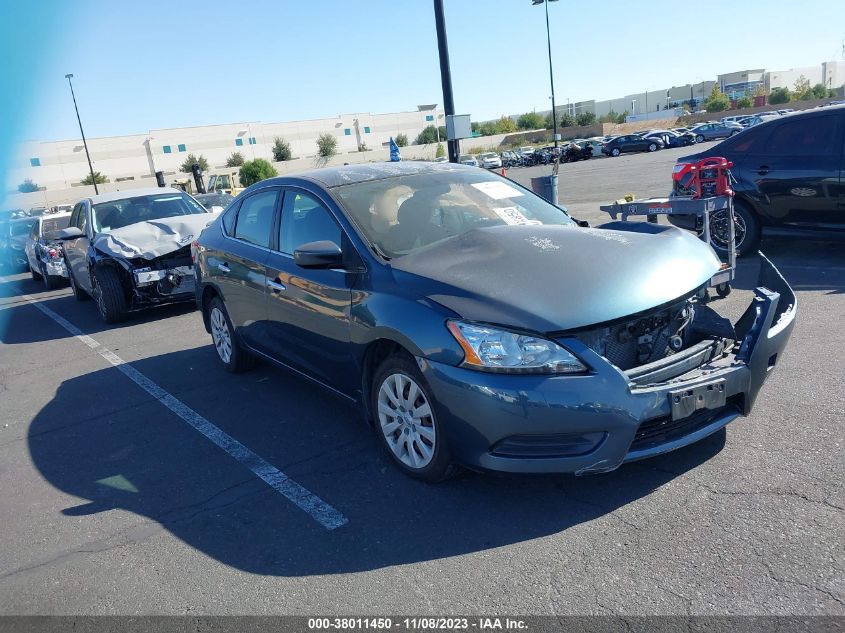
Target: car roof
(132,193)
(350,174)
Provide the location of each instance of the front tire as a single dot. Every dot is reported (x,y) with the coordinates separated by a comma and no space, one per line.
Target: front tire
(699,138)
(109,295)
(406,420)
(652,147)
(230,352)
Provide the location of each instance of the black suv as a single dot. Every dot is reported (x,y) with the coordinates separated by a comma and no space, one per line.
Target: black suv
(789,174)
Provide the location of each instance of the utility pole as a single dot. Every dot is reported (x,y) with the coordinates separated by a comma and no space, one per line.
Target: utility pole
(445,76)
(84,142)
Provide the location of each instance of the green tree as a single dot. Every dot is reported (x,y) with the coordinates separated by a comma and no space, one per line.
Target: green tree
(505,125)
(236,159)
(326,145)
(428,135)
(801,90)
(192,160)
(440,151)
(820,92)
(97,178)
(488,128)
(256,170)
(717,101)
(779,95)
(744,102)
(281,149)
(27,186)
(530,121)
(586,118)
(401,140)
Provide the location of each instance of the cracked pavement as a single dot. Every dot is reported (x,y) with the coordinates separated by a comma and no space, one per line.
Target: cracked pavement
(113,505)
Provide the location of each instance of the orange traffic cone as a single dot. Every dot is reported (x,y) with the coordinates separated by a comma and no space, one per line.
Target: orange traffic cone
(503,170)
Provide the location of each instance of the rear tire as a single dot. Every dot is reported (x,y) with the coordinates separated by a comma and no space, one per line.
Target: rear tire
(230,352)
(109,295)
(52,282)
(615,152)
(748,242)
(36,276)
(406,420)
(652,147)
(699,138)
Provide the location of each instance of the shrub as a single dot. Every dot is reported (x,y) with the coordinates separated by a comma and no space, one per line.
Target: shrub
(744,102)
(235,160)
(27,186)
(326,145)
(779,95)
(281,149)
(97,178)
(820,92)
(192,160)
(440,151)
(530,121)
(717,101)
(505,125)
(401,140)
(254,171)
(428,135)
(585,118)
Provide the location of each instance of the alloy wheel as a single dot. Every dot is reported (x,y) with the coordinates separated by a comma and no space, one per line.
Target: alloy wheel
(720,230)
(220,334)
(407,421)
(98,296)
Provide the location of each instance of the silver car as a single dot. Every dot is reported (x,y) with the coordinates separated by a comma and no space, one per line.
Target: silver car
(43,253)
(713,131)
(490,160)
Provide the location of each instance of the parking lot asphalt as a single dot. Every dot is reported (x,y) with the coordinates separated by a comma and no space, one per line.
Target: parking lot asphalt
(113,504)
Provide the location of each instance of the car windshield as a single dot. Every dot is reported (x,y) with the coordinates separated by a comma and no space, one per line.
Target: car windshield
(401,215)
(466,157)
(209,200)
(487,155)
(23,227)
(119,213)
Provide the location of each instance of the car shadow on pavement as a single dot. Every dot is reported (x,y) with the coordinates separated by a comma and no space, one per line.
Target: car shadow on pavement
(107,442)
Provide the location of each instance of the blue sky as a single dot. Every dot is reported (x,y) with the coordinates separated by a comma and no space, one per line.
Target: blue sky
(154,64)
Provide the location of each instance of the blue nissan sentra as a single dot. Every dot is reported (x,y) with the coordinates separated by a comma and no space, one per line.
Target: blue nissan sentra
(478,325)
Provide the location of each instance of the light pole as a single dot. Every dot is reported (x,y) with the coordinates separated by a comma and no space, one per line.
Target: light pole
(633,104)
(445,76)
(84,142)
(551,74)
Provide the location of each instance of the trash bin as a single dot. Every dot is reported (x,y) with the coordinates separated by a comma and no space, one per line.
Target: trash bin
(545,187)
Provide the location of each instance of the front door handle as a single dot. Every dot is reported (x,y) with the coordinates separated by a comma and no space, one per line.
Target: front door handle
(224,268)
(275,286)
(763,170)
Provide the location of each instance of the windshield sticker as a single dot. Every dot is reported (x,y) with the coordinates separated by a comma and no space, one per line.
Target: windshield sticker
(514,217)
(497,190)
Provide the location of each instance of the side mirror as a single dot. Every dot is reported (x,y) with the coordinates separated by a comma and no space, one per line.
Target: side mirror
(322,254)
(70,233)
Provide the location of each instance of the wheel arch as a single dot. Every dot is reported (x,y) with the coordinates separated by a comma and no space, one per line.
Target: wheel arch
(375,353)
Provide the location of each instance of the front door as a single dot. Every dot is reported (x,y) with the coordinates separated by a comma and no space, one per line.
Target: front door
(308,309)
(76,250)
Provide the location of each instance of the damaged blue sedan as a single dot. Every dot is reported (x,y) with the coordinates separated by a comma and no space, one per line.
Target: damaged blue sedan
(478,325)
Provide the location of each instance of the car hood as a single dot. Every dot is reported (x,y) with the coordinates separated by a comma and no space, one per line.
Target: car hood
(556,278)
(148,240)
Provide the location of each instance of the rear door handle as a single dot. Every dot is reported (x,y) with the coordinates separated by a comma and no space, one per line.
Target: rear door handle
(224,268)
(275,286)
(763,170)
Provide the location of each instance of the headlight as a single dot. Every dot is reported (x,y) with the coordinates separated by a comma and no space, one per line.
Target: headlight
(490,349)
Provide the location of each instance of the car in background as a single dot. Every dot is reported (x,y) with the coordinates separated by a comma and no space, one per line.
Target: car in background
(44,250)
(214,201)
(468,159)
(714,131)
(526,150)
(595,144)
(441,159)
(757,119)
(440,299)
(131,250)
(490,160)
(788,174)
(631,143)
(786,111)
(510,158)
(672,139)
(14,247)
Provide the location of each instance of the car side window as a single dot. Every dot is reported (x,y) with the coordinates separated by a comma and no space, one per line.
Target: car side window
(82,218)
(305,219)
(254,223)
(807,136)
(229,220)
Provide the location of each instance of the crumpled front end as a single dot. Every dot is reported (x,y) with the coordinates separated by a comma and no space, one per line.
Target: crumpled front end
(163,279)
(640,397)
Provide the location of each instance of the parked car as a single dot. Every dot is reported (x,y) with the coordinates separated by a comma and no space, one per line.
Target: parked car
(441,159)
(631,143)
(490,160)
(468,159)
(441,299)
(786,111)
(758,119)
(595,144)
(510,158)
(788,173)
(714,131)
(672,139)
(215,201)
(526,150)
(14,247)
(132,249)
(44,250)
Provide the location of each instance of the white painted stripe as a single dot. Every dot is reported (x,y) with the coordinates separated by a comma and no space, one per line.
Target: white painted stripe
(324,514)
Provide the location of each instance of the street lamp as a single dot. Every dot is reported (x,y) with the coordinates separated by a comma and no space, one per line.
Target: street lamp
(551,74)
(84,142)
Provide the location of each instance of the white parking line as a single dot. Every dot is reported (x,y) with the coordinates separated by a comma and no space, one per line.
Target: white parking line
(324,514)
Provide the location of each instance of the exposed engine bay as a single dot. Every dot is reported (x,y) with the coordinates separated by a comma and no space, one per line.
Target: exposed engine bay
(163,277)
(659,334)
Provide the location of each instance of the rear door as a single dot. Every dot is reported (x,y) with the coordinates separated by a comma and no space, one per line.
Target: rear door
(237,269)
(797,170)
(308,310)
